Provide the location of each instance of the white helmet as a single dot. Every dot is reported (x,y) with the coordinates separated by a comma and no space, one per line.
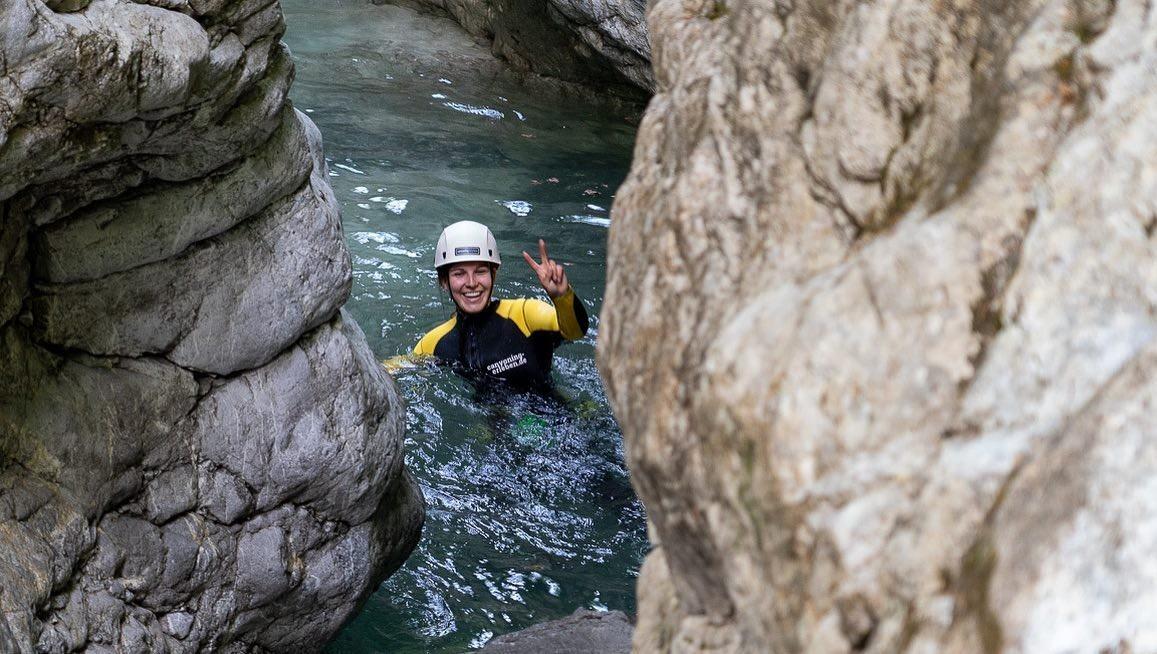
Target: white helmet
(466,240)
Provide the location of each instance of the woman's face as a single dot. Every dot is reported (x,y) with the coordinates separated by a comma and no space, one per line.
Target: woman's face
(470,285)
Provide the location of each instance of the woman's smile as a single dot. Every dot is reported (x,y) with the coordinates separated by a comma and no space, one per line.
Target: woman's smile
(470,286)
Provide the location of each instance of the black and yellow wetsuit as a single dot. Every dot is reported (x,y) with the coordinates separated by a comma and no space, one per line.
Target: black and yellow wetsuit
(510,339)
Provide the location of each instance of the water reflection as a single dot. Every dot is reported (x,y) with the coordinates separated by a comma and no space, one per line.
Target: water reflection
(530,510)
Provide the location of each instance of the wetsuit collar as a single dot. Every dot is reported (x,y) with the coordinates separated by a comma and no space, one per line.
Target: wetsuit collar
(471,317)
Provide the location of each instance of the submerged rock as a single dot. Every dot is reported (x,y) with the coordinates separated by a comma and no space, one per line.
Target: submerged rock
(198,451)
(583,632)
(880,327)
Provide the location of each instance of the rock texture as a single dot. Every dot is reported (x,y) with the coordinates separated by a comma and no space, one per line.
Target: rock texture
(198,451)
(592,42)
(880,324)
(582,632)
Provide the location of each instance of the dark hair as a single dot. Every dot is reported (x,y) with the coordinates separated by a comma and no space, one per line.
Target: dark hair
(444,273)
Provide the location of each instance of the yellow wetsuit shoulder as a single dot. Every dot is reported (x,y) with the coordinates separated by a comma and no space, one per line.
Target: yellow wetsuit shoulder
(533,315)
(428,342)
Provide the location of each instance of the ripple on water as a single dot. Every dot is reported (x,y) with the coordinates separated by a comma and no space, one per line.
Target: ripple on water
(518,478)
(349,168)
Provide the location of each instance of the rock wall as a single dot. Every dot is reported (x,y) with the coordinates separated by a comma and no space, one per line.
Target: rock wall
(879,326)
(592,42)
(198,451)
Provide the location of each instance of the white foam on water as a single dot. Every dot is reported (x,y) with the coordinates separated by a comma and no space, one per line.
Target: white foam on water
(362,205)
(361,189)
(520,116)
(397,206)
(444,80)
(516,207)
(595,207)
(374,237)
(481,639)
(477,111)
(403,252)
(349,168)
(597,221)
(553,588)
(438,96)
(597,603)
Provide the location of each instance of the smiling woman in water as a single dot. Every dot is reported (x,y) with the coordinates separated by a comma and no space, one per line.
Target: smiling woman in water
(513,340)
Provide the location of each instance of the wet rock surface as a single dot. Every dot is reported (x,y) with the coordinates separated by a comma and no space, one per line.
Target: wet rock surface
(198,451)
(583,632)
(880,325)
(591,42)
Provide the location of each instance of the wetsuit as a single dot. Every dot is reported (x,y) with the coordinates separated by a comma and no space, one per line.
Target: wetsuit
(510,339)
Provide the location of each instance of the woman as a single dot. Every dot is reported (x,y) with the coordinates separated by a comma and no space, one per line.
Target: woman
(513,340)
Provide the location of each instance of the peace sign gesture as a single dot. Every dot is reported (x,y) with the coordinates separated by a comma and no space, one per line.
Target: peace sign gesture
(550,273)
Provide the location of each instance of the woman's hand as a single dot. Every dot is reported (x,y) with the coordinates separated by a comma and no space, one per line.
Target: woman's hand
(550,273)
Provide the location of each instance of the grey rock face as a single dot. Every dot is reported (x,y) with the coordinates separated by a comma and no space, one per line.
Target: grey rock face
(585,41)
(198,451)
(880,326)
(615,30)
(222,304)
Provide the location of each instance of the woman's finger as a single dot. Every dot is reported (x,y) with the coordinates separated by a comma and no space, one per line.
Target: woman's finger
(530,260)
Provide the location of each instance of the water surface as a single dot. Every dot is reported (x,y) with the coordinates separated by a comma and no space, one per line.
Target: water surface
(530,513)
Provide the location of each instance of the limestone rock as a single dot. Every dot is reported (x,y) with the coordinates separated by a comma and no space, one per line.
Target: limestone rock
(117,235)
(890,268)
(198,451)
(226,303)
(595,42)
(615,30)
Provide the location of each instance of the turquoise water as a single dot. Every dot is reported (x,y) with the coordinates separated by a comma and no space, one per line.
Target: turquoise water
(530,512)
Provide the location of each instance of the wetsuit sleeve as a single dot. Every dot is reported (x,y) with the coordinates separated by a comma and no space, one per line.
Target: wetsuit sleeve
(572,315)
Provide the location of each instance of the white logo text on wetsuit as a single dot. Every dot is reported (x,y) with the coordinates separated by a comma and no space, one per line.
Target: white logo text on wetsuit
(512,361)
